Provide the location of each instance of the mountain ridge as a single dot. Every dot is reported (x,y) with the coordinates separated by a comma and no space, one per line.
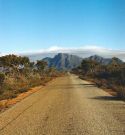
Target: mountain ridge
(104,61)
(65,61)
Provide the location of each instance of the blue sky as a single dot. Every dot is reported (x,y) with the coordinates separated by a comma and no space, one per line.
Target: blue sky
(31,25)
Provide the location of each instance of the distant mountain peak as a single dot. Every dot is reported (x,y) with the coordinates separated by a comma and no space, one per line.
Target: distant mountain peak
(64,61)
(104,61)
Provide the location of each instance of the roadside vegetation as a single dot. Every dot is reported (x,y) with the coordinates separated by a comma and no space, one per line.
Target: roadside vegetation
(111,76)
(18,75)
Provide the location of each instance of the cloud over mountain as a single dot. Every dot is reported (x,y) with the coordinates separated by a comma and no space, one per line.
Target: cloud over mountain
(83,52)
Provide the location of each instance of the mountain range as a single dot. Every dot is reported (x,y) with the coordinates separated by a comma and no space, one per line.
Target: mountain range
(66,61)
(104,61)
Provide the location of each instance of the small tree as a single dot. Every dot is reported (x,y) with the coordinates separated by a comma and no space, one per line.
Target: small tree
(52,71)
(85,66)
(24,61)
(88,66)
(41,66)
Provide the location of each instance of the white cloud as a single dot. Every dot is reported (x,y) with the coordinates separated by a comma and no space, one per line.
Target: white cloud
(84,51)
(2,54)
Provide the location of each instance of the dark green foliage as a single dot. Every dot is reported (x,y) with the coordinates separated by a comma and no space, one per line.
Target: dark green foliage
(41,65)
(111,75)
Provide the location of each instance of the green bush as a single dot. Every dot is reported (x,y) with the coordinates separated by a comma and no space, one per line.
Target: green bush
(110,76)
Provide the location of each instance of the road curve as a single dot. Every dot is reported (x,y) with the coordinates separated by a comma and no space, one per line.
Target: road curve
(67,106)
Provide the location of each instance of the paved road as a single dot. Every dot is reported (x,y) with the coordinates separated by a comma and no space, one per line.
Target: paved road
(67,106)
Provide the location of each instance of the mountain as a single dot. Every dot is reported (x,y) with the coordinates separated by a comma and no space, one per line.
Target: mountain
(104,61)
(63,61)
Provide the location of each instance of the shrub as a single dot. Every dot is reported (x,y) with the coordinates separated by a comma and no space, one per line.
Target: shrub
(20,75)
(2,78)
(23,90)
(110,76)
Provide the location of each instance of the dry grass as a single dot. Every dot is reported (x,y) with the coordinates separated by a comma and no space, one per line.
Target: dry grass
(4,104)
(13,86)
(18,87)
(10,98)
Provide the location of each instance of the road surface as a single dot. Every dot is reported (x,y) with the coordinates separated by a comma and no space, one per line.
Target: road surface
(67,106)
